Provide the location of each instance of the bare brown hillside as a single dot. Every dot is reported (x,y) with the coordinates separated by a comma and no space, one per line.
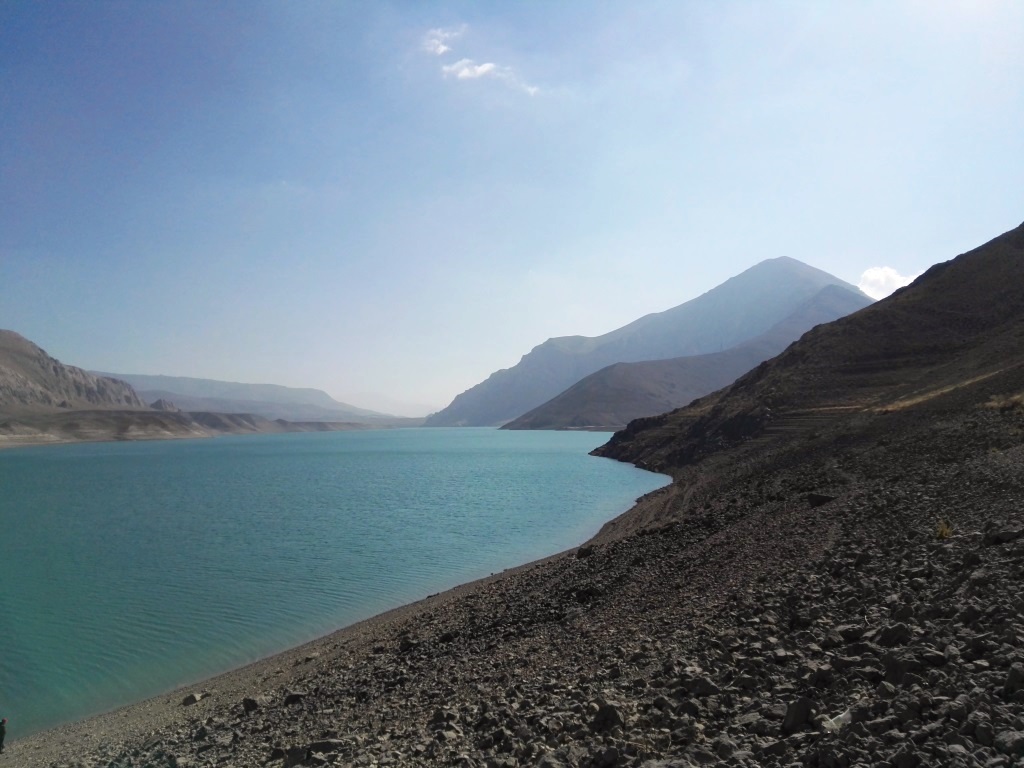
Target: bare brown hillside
(957,328)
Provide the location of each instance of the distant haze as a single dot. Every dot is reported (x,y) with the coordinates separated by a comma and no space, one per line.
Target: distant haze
(390,201)
(744,306)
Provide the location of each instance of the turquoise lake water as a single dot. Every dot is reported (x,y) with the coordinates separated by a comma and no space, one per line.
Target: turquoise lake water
(128,569)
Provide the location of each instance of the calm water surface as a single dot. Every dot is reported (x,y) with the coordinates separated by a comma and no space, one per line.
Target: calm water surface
(127,569)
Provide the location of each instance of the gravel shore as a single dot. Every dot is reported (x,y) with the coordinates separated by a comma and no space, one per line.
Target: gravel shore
(805,608)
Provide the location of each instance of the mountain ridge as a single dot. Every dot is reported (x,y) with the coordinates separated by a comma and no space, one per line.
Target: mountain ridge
(45,401)
(742,307)
(619,393)
(957,329)
(272,401)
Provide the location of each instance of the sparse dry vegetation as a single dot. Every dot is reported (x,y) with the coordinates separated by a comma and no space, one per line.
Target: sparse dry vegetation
(1006,402)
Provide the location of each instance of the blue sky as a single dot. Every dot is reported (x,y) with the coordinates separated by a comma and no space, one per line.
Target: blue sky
(389,201)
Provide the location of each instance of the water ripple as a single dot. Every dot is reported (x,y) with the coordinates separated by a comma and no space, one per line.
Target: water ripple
(130,568)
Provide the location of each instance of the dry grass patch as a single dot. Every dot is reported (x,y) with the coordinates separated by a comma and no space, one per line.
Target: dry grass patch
(1006,402)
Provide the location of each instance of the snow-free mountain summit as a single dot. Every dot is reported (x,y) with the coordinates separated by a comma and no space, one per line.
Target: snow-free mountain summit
(741,308)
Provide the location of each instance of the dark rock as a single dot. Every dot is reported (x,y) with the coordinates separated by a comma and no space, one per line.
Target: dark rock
(328,746)
(607,718)
(798,715)
(1010,743)
(818,499)
(1003,536)
(1014,679)
(905,757)
(252,704)
(702,686)
(895,634)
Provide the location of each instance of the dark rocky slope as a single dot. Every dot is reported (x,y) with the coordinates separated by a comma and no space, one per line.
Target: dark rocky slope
(960,323)
(620,393)
(741,308)
(844,591)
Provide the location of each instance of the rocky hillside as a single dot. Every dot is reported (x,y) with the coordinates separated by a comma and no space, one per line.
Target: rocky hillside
(31,378)
(741,308)
(614,396)
(958,327)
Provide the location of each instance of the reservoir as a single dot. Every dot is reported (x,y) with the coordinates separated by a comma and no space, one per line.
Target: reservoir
(128,569)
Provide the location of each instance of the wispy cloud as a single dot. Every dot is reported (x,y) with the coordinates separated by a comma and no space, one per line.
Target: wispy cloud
(879,282)
(436,41)
(467,69)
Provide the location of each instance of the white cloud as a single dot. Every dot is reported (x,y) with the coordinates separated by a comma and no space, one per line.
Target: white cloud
(467,69)
(436,40)
(879,282)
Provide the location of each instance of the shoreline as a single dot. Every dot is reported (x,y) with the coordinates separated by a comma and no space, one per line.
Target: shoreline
(745,622)
(63,742)
(164,709)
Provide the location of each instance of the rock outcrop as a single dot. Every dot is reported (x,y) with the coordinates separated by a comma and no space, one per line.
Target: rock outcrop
(29,378)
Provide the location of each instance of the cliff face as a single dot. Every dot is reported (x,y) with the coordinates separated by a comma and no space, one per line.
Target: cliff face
(31,378)
(741,308)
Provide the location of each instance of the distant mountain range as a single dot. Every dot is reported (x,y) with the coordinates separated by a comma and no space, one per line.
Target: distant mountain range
(271,401)
(614,396)
(44,401)
(739,310)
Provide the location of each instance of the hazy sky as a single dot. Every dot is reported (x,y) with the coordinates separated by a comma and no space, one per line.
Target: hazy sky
(392,200)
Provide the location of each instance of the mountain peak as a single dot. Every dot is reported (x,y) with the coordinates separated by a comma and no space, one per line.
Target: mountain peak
(741,308)
(954,334)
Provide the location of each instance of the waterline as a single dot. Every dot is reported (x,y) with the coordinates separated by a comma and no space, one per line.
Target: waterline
(129,569)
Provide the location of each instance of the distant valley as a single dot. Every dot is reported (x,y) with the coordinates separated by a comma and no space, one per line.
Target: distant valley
(44,401)
(655,364)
